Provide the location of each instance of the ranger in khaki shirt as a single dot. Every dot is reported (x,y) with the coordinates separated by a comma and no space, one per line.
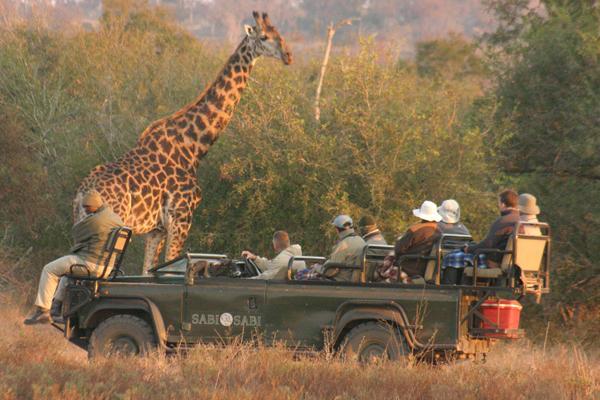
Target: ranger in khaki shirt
(90,236)
(347,250)
(277,267)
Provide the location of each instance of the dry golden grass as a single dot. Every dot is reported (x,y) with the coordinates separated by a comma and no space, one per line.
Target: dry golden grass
(36,362)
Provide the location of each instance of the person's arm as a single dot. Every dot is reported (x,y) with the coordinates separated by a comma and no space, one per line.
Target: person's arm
(263,263)
(488,242)
(403,243)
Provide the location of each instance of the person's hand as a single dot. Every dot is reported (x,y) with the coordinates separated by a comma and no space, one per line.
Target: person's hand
(249,255)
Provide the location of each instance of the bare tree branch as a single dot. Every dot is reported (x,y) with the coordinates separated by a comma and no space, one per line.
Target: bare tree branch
(330,32)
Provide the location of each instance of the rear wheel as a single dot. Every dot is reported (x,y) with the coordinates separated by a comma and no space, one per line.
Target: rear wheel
(374,342)
(123,334)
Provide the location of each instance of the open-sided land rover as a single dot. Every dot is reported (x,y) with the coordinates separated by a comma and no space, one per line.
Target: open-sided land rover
(211,298)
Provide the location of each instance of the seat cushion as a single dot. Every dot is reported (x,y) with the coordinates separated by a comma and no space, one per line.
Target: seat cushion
(484,272)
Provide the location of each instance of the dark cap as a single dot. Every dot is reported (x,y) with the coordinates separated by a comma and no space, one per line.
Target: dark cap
(366,220)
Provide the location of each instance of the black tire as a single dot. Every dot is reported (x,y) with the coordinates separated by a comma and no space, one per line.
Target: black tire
(121,334)
(375,341)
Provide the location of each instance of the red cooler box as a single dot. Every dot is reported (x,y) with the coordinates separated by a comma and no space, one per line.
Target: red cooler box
(505,314)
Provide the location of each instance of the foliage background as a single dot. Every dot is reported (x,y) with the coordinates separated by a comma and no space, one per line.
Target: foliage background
(461,120)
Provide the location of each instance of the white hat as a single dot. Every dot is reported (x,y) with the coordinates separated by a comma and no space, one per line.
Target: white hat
(450,211)
(428,211)
(341,221)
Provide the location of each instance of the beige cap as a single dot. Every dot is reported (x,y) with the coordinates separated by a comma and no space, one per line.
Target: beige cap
(528,204)
(92,199)
(450,211)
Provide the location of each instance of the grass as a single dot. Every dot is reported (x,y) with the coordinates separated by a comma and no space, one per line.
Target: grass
(37,363)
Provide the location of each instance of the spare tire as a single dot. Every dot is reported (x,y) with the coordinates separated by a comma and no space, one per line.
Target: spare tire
(121,334)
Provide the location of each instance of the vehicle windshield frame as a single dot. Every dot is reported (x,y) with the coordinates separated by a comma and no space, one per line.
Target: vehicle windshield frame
(189,257)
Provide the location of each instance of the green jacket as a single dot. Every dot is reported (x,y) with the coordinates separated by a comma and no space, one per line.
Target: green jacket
(91,233)
(348,250)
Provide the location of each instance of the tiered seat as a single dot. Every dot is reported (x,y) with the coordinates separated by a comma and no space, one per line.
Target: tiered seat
(526,257)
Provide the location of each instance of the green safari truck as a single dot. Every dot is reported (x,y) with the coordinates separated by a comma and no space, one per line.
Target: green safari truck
(210,298)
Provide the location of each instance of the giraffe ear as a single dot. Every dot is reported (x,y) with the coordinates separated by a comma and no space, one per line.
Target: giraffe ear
(250,31)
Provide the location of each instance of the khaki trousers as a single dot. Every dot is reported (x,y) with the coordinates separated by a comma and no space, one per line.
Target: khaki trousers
(55,271)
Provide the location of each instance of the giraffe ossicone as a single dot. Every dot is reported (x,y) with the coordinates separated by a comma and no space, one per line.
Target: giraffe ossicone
(153,187)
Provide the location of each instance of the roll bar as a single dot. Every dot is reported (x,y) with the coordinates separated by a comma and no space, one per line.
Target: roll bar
(365,252)
(190,257)
(439,246)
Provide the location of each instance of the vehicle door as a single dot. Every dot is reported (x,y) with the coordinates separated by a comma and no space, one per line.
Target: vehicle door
(300,312)
(217,308)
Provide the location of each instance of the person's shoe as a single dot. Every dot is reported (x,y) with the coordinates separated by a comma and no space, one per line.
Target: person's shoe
(56,312)
(38,316)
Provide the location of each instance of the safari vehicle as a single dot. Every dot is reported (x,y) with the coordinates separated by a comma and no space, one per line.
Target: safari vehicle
(210,298)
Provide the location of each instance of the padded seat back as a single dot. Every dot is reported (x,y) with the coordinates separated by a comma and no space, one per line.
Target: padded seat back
(115,248)
(372,257)
(532,256)
(507,259)
(529,253)
(431,268)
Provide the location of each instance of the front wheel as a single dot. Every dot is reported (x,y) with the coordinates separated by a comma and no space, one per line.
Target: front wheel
(123,334)
(375,341)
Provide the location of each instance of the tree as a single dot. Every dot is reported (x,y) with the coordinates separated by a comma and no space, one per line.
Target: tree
(453,57)
(545,134)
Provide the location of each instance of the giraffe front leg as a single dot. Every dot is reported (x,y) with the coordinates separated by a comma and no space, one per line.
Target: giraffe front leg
(155,241)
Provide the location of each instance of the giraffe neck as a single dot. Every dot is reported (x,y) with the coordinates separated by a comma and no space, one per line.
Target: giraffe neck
(199,124)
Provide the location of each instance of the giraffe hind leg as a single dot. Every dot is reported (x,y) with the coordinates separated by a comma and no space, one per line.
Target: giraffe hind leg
(155,241)
(178,233)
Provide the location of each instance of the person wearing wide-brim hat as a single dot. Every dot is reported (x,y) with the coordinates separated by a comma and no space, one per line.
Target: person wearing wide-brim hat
(418,239)
(528,212)
(450,223)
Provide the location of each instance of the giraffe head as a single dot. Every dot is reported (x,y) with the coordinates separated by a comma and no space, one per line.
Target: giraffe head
(266,40)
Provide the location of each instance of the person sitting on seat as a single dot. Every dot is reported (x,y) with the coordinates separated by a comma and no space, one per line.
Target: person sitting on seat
(369,230)
(372,236)
(418,239)
(277,267)
(90,236)
(496,238)
(348,251)
(450,223)
(528,212)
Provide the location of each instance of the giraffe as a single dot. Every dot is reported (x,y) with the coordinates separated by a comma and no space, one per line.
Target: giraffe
(153,187)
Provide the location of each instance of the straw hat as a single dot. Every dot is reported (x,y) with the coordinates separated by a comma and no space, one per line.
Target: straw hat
(427,211)
(450,211)
(528,204)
